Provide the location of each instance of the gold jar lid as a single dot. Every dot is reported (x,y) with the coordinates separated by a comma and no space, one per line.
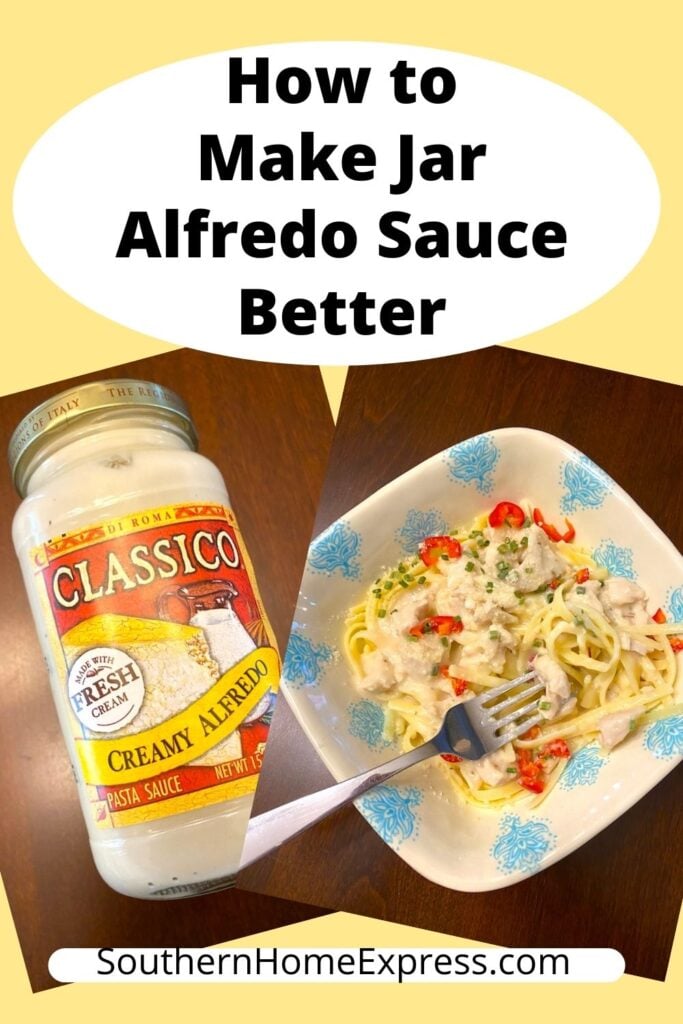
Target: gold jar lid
(45,424)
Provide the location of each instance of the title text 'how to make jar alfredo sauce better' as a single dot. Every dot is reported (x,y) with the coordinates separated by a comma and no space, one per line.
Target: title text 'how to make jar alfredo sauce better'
(161,658)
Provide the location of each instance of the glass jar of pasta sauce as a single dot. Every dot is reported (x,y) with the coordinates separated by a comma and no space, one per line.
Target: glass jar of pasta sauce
(161,658)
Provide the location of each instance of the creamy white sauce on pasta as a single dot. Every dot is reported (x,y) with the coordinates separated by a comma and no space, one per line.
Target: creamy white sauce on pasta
(436,632)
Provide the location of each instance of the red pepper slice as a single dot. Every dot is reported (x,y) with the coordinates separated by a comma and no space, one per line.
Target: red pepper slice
(569,534)
(459,685)
(531,733)
(451,758)
(507,513)
(551,531)
(533,785)
(530,772)
(442,625)
(659,617)
(583,575)
(554,584)
(432,548)
(556,748)
(676,643)
(526,765)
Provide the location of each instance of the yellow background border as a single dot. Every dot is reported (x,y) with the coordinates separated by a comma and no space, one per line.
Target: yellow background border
(625,57)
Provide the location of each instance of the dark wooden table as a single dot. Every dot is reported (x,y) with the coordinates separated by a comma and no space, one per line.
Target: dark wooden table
(624,887)
(268,428)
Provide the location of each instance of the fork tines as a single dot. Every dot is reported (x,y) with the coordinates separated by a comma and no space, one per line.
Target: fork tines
(522,704)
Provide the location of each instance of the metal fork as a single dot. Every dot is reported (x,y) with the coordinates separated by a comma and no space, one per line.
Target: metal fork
(471,729)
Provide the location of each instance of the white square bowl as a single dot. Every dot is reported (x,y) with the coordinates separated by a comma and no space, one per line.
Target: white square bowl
(421,815)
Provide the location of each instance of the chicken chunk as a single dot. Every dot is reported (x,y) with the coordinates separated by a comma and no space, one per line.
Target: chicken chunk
(624,602)
(492,769)
(558,695)
(527,560)
(615,727)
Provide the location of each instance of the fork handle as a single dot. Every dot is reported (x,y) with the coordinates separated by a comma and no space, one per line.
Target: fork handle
(267,831)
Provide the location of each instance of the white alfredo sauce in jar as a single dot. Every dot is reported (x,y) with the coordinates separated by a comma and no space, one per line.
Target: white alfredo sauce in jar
(162,662)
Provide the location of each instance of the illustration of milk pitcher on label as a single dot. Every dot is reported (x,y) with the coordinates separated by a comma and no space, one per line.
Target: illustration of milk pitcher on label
(207,604)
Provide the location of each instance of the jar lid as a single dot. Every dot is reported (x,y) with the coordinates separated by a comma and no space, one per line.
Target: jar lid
(52,417)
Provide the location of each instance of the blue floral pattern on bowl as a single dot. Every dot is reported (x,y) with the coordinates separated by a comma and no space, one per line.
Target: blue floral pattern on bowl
(521,845)
(474,461)
(676,605)
(664,738)
(366,723)
(305,661)
(338,548)
(582,768)
(618,561)
(417,526)
(586,484)
(391,812)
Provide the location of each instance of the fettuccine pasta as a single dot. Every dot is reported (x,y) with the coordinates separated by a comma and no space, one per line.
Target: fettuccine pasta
(483,604)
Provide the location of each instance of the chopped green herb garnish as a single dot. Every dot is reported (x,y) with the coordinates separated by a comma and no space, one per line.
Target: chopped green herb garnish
(435,670)
(402,583)
(494,634)
(511,771)
(528,569)
(422,579)
(537,643)
(411,638)
(381,613)
(377,592)
(483,543)
(388,585)
(402,567)
(427,627)
(445,641)
(524,542)
(408,578)
(544,705)
(542,589)
(446,558)
(580,590)
(489,587)
(469,567)
(527,523)
(549,597)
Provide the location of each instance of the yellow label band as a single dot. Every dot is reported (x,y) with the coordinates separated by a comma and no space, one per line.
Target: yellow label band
(187,735)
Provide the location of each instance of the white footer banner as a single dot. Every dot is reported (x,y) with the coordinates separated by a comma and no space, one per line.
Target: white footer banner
(361,964)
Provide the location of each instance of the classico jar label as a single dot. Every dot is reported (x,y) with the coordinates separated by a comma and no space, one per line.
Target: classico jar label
(169,668)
